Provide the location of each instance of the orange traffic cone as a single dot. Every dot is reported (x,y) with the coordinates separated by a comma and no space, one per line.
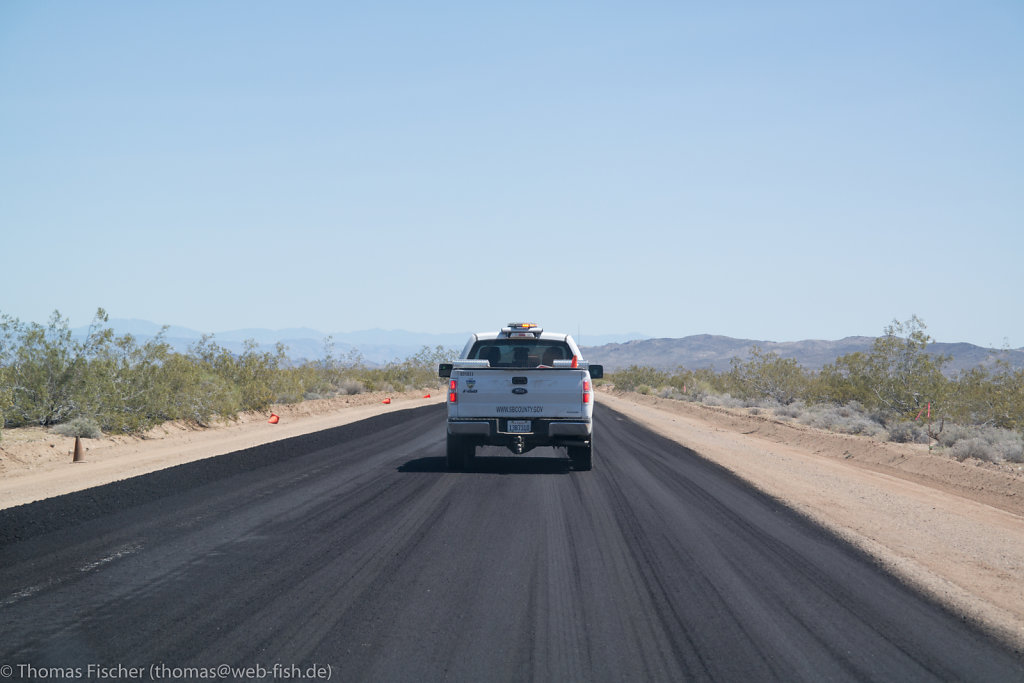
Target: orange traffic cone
(386,401)
(427,396)
(273,419)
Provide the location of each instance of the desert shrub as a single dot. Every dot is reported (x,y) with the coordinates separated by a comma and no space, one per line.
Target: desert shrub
(947,434)
(352,386)
(292,384)
(671,393)
(80,426)
(761,406)
(907,432)
(974,448)
(722,400)
(122,385)
(45,367)
(1001,444)
(897,376)
(417,371)
(49,376)
(696,390)
(766,375)
(861,425)
(794,410)
(1012,452)
(994,397)
(634,377)
(1007,444)
(839,419)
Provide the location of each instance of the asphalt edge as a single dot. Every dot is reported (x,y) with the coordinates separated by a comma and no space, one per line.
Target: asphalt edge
(29,520)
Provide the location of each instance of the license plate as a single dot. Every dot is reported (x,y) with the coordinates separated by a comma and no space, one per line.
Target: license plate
(520,426)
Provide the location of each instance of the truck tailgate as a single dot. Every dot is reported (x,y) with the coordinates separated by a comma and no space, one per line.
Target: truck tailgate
(518,394)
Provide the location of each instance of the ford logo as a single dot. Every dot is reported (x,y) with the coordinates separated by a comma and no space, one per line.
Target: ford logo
(519,390)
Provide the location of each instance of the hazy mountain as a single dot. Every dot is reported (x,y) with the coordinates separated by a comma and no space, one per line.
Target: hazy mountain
(716,352)
(617,351)
(262,336)
(589,340)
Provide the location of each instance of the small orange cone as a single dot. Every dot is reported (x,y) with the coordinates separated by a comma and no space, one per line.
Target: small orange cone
(273,419)
(575,362)
(427,396)
(386,401)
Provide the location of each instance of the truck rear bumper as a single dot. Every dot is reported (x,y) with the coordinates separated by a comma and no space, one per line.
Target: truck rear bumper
(479,427)
(494,432)
(576,429)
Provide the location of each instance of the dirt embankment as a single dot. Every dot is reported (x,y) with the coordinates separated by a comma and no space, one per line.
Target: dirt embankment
(35,464)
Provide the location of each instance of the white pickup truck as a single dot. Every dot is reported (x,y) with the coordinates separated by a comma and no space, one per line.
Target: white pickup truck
(520,388)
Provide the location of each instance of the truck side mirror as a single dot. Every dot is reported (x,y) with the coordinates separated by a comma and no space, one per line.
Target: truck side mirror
(596,371)
(444,370)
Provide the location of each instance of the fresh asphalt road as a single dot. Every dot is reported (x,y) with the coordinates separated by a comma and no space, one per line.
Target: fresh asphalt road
(355,551)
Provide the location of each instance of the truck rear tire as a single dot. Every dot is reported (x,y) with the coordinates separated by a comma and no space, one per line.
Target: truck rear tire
(459,451)
(582,457)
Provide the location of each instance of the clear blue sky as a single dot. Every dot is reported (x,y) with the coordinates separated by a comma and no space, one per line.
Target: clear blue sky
(769,170)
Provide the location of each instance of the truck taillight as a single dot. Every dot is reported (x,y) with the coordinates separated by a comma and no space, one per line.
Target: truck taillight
(453,387)
(586,391)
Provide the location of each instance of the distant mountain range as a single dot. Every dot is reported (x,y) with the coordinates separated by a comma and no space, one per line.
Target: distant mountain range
(716,352)
(615,352)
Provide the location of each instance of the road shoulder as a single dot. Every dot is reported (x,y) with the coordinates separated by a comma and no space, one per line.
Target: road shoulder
(38,465)
(954,545)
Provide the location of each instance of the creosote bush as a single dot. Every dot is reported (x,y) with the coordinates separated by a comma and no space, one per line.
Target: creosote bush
(350,387)
(907,432)
(973,448)
(48,377)
(840,419)
(80,426)
(896,391)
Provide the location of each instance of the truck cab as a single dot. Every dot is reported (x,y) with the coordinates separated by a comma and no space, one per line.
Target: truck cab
(520,388)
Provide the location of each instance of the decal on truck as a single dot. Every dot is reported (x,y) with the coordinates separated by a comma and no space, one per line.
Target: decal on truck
(520,409)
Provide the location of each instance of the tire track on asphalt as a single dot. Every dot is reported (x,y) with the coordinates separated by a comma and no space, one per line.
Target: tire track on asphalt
(363,553)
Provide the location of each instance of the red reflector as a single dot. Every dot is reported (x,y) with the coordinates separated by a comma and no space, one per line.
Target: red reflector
(586,391)
(453,386)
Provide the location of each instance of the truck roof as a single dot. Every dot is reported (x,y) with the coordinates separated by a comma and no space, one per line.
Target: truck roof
(521,331)
(556,336)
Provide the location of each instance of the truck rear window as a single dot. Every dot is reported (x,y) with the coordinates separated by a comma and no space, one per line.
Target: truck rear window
(520,353)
